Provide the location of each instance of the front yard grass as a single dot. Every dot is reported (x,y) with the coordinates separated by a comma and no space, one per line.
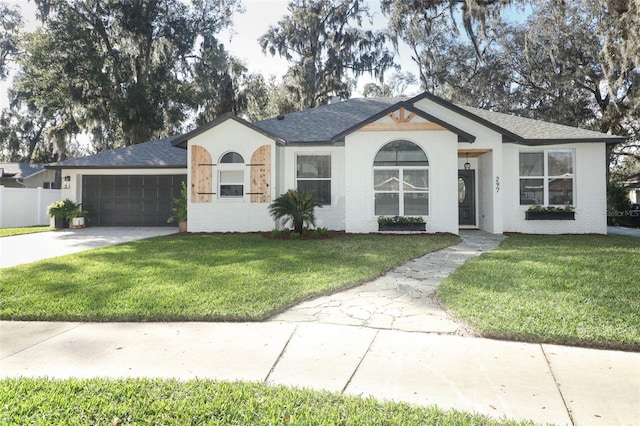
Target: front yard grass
(200,277)
(201,402)
(576,290)
(8,232)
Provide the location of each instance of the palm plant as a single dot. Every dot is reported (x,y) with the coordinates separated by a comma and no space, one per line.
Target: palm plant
(297,207)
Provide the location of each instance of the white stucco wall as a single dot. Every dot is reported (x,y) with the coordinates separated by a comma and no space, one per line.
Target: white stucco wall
(442,151)
(328,216)
(590,197)
(231,215)
(488,167)
(487,192)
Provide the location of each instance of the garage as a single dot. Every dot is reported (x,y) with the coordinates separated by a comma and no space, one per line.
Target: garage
(130,200)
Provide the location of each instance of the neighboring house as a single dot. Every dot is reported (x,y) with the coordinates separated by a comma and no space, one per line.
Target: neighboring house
(456,166)
(633,187)
(27,175)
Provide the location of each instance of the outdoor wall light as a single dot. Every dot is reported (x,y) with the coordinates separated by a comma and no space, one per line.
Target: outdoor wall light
(67,178)
(467,164)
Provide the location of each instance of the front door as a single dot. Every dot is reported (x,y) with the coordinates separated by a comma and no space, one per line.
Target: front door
(467,197)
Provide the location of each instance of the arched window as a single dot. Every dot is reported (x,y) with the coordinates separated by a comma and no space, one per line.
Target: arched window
(401,180)
(232,157)
(231,176)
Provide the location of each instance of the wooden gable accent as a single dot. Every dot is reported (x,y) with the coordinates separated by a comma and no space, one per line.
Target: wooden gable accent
(261,175)
(201,175)
(401,121)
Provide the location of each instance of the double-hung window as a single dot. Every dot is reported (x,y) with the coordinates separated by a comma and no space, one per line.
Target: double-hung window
(401,180)
(231,176)
(313,173)
(547,177)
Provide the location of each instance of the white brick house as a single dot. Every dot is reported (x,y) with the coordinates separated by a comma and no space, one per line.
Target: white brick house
(349,148)
(455,166)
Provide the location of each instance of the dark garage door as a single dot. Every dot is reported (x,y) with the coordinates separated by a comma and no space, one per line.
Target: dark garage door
(130,200)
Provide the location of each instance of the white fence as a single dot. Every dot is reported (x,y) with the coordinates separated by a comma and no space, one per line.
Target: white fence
(25,206)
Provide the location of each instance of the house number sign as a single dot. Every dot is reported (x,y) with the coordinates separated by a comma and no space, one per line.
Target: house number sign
(497,183)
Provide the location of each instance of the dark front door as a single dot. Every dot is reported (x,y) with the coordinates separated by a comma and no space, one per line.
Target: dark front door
(467,197)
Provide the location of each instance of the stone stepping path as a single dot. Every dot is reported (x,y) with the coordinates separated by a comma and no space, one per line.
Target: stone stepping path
(403,298)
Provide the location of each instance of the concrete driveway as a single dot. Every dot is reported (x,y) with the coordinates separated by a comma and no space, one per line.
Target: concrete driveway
(21,249)
(621,230)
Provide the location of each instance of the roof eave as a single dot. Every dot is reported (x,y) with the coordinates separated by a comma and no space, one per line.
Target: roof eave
(408,105)
(504,132)
(565,141)
(332,142)
(140,166)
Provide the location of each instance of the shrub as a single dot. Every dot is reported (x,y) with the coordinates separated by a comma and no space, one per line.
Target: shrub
(297,207)
(180,206)
(62,209)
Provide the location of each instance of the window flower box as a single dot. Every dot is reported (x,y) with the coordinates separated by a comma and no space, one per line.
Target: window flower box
(401,223)
(550,213)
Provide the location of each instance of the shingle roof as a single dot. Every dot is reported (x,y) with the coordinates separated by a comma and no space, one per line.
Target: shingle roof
(21,170)
(323,123)
(154,154)
(532,131)
(330,123)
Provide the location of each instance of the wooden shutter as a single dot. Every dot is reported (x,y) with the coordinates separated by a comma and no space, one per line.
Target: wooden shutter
(261,175)
(201,175)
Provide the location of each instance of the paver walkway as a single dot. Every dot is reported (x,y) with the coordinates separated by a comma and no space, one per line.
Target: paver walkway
(403,298)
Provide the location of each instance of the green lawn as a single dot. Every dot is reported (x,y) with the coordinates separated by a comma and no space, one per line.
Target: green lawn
(200,402)
(8,232)
(577,290)
(200,277)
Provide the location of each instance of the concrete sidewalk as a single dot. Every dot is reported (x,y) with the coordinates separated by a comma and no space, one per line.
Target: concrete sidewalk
(21,249)
(543,383)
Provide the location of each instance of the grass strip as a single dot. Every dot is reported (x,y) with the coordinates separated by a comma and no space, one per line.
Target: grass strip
(201,402)
(579,290)
(9,232)
(242,277)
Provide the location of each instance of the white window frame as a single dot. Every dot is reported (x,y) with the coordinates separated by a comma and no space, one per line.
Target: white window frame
(401,191)
(231,167)
(546,178)
(329,179)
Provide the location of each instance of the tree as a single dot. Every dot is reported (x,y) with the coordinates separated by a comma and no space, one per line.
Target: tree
(397,86)
(563,74)
(619,29)
(413,21)
(123,72)
(22,133)
(265,98)
(216,84)
(299,208)
(10,22)
(561,65)
(324,41)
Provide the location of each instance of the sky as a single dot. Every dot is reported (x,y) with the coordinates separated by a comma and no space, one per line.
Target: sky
(242,42)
